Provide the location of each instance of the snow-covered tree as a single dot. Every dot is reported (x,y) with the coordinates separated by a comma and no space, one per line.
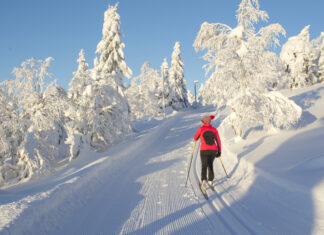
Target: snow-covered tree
(240,57)
(164,86)
(80,114)
(41,123)
(191,97)
(110,48)
(177,83)
(268,111)
(81,78)
(37,120)
(321,58)
(45,144)
(135,99)
(110,115)
(300,59)
(13,167)
(240,61)
(143,93)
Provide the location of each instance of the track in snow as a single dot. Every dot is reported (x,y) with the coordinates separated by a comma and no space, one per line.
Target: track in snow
(137,187)
(219,213)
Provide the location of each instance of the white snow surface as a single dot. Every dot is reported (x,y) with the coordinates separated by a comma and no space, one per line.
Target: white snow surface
(276,183)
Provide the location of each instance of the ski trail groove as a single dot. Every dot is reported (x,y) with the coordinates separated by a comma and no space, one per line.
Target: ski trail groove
(167,206)
(220,207)
(209,206)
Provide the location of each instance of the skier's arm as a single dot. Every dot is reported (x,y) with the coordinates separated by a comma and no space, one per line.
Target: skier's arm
(197,135)
(218,141)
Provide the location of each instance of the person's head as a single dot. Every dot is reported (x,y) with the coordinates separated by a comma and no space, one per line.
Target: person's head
(207,119)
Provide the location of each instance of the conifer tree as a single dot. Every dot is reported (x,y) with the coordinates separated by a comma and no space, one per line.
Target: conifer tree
(164,88)
(110,113)
(300,59)
(142,93)
(81,78)
(79,118)
(177,83)
(110,48)
(321,58)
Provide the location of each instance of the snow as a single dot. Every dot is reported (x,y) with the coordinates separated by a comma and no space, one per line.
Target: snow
(137,186)
(52,181)
(299,53)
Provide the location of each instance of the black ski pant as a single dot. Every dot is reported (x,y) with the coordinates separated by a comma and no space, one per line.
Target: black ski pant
(207,159)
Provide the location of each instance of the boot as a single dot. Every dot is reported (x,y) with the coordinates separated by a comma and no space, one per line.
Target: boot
(203,186)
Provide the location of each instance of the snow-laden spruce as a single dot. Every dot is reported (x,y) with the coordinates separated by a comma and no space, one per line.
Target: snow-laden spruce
(177,83)
(101,112)
(321,58)
(164,86)
(109,117)
(80,80)
(143,92)
(151,95)
(300,58)
(191,97)
(110,48)
(107,108)
(241,65)
(78,127)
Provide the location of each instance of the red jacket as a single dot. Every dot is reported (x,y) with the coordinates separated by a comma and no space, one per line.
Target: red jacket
(209,134)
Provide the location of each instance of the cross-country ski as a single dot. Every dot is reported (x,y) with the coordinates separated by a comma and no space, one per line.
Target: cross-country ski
(203,190)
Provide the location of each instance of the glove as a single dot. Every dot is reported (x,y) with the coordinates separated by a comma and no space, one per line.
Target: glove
(219,154)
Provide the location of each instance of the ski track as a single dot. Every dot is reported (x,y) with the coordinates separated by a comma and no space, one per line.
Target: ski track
(145,183)
(227,209)
(216,207)
(165,211)
(240,213)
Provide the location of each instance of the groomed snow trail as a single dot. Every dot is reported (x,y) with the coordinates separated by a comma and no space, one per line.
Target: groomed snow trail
(137,187)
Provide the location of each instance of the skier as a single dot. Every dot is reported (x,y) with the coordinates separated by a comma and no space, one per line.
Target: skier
(209,150)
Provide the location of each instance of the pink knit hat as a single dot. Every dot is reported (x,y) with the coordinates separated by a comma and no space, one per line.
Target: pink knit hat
(207,119)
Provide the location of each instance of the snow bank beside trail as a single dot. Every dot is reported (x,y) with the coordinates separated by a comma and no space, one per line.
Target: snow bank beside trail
(284,150)
(14,209)
(242,173)
(277,177)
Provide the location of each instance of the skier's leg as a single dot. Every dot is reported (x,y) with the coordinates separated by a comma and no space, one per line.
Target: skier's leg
(210,161)
(203,158)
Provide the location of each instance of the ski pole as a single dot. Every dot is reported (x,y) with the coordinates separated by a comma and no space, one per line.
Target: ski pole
(220,159)
(190,163)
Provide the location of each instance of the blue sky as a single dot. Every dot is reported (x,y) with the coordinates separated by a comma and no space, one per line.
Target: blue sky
(60,28)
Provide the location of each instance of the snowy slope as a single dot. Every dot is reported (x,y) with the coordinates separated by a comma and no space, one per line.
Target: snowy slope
(137,187)
(287,177)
